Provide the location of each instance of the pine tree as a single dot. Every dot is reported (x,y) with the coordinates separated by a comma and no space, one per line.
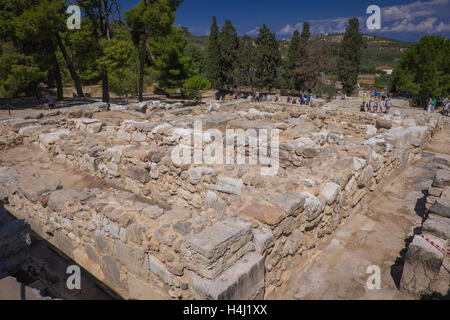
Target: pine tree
(350,56)
(213,67)
(229,44)
(267,58)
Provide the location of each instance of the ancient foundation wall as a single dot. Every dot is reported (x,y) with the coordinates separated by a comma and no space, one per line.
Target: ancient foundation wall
(162,230)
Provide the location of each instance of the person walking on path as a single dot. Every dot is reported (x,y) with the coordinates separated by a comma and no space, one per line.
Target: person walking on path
(430,105)
(434,104)
(51,101)
(388,104)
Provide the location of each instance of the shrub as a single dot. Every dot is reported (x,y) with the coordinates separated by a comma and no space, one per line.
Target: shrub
(194,87)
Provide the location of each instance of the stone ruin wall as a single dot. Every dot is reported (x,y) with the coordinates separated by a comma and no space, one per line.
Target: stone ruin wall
(217,232)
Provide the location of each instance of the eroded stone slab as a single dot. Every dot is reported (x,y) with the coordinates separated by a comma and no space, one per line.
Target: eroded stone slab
(216,248)
(244,280)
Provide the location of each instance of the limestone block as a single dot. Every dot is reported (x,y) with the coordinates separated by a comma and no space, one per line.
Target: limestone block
(159,269)
(244,280)
(58,198)
(437,225)
(216,248)
(263,239)
(330,192)
(441,207)
(422,264)
(229,185)
(32,188)
(441,179)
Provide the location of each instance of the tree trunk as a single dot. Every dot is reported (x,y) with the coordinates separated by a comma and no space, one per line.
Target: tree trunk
(73,73)
(59,84)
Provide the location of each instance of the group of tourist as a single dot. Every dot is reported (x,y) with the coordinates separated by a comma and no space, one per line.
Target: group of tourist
(377,102)
(303,99)
(262,98)
(432,104)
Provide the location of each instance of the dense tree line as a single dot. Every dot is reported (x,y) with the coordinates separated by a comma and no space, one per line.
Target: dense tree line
(424,70)
(234,62)
(123,53)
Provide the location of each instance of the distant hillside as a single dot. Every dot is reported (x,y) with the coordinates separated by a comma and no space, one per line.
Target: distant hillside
(380,51)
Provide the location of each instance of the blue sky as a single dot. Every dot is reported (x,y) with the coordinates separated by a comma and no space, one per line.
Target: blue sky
(400,19)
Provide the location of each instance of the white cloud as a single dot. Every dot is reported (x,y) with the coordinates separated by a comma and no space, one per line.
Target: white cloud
(287,30)
(416,17)
(253,32)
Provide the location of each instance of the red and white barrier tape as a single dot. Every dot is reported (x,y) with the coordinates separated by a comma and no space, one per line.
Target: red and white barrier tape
(435,245)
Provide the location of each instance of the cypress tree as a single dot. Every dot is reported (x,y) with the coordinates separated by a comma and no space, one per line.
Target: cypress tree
(267,58)
(213,68)
(293,57)
(229,44)
(246,62)
(350,56)
(304,40)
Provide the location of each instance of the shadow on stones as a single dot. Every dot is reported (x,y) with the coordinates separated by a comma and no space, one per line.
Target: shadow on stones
(420,208)
(397,267)
(436,296)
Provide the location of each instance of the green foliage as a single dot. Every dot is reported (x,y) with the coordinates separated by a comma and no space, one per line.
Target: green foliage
(293,57)
(115,54)
(18,73)
(194,87)
(350,56)
(424,69)
(246,62)
(267,58)
(383,80)
(228,43)
(197,57)
(325,90)
(213,60)
(171,67)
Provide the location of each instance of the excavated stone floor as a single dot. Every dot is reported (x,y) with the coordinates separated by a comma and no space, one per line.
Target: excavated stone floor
(103,188)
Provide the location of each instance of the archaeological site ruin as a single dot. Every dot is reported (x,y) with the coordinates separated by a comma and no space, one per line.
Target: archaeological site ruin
(101,187)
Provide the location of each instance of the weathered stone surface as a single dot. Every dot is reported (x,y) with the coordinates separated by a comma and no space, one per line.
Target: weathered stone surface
(441,207)
(230,185)
(130,256)
(291,202)
(17,125)
(384,124)
(294,242)
(244,280)
(34,187)
(217,247)
(441,179)
(313,206)
(330,191)
(264,212)
(152,212)
(437,225)
(422,264)
(137,173)
(263,239)
(159,269)
(141,290)
(50,138)
(58,198)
